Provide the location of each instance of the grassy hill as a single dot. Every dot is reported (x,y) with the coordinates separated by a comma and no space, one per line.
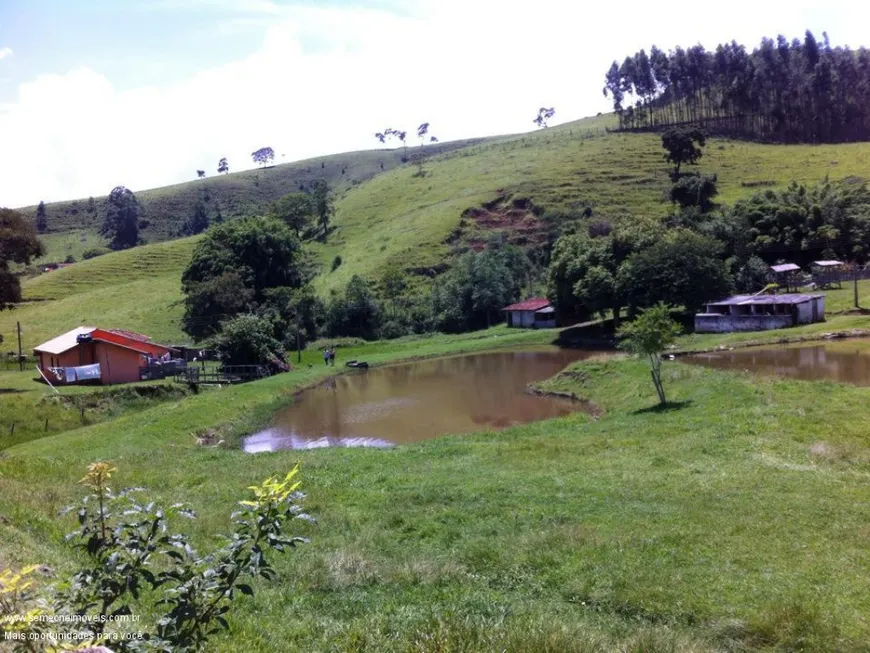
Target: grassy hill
(234,195)
(521,185)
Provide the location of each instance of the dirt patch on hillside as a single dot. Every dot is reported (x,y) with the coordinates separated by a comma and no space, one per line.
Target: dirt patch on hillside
(517,219)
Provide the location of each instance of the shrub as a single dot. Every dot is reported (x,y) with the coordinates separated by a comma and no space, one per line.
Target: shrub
(393,329)
(246,340)
(336,263)
(134,564)
(70,259)
(93,252)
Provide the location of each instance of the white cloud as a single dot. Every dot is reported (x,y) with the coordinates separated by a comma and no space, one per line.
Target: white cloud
(325,79)
(5,52)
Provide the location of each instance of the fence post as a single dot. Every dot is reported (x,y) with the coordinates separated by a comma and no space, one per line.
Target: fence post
(20,359)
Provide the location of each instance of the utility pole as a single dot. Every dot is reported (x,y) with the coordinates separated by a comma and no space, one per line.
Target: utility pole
(20,357)
(298,340)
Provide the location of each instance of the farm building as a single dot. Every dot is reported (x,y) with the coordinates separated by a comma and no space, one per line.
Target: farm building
(533,313)
(107,356)
(760,313)
(787,275)
(827,274)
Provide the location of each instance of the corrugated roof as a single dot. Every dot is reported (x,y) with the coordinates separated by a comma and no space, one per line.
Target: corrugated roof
(748,300)
(828,264)
(785,267)
(531,304)
(129,334)
(63,342)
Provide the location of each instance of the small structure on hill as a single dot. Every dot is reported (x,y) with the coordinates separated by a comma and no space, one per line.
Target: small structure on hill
(533,313)
(787,275)
(760,313)
(827,274)
(106,356)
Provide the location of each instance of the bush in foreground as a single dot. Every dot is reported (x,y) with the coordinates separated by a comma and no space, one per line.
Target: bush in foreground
(133,563)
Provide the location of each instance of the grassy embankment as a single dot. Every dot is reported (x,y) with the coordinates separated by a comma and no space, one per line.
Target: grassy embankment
(736,520)
(237,194)
(395,219)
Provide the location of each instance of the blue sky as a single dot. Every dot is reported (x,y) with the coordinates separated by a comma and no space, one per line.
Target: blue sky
(95,93)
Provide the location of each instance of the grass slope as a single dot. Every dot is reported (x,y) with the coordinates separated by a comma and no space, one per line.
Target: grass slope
(736,520)
(399,219)
(137,289)
(235,194)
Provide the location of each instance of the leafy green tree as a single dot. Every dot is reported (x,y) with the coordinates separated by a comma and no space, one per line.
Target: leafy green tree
(544,115)
(680,146)
(263,156)
(752,275)
(246,340)
(647,336)
(695,191)
(41,219)
(18,244)
(296,210)
(223,166)
(323,206)
(121,226)
(683,268)
(208,303)
(585,272)
(356,313)
(261,253)
(197,222)
(477,287)
(393,286)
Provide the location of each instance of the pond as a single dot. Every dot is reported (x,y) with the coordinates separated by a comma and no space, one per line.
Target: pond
(844,361)
(416,401)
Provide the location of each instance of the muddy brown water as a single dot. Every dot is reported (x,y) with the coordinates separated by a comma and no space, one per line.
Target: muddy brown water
(844,361)
(409,402)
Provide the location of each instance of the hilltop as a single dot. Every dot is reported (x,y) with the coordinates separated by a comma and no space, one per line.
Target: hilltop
(249,192)
(524,186)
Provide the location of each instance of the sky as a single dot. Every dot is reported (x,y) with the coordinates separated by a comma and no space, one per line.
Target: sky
(142,93)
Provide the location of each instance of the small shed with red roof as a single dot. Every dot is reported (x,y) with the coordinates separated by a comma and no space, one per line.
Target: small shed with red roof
(90,354)
(533,313)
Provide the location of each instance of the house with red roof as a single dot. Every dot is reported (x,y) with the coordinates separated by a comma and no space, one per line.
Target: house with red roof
(106,356)
(533,313)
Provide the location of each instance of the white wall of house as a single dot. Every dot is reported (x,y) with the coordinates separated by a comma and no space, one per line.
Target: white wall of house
(521,318)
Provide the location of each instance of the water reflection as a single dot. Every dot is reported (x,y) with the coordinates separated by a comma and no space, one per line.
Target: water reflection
(843,361)
(416,401)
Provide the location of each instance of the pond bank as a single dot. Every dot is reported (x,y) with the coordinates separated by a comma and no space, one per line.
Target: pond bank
(744,503)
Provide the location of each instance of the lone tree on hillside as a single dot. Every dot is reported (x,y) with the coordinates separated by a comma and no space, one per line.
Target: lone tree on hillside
(648,336)
(422,130)
(41,218)
(223,166)
(295,210)
(323,207)
(19,244)
(200,174)
(121,226)
(263,156)
(681,148)
(544,114)
(398,134)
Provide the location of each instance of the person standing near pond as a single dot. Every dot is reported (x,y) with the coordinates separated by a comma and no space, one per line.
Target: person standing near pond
(326,356)
(332,356)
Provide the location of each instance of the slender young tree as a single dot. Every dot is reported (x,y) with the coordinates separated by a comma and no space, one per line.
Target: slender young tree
(41,218)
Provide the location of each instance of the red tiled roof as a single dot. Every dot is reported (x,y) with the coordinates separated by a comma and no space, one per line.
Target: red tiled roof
(532,304)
